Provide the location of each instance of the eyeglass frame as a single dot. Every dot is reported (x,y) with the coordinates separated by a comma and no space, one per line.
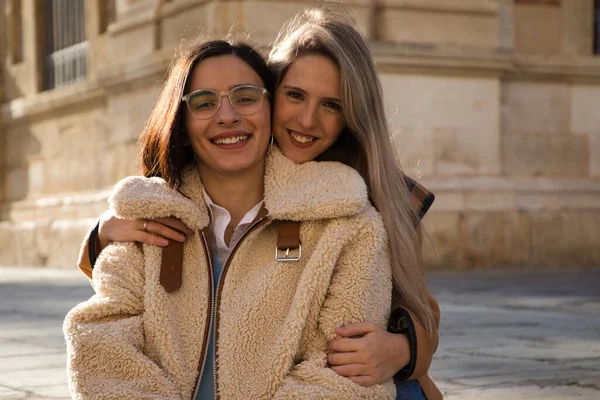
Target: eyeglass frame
(186,99)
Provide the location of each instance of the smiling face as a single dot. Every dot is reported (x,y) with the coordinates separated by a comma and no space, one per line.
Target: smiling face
(228,143)
(308,116)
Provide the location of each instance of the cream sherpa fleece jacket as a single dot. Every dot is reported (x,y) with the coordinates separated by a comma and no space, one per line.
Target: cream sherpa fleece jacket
(274,320)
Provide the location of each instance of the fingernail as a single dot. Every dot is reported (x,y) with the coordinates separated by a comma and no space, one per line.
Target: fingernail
(164,242)
(181,238)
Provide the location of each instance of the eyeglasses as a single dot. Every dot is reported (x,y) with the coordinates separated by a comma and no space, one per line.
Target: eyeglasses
(244,99)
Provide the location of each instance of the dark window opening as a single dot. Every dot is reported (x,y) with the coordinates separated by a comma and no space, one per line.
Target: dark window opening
(65,47)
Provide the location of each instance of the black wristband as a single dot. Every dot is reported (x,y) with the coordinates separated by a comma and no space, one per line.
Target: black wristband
(92,240)
(402,323)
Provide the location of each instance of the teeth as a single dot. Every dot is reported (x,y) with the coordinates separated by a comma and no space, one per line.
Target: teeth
(231,140)
(301,138)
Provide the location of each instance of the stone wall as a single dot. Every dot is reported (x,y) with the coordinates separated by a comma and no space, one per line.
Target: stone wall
(494,105)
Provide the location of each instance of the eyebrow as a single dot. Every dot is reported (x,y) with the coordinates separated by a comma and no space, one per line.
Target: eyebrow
(229,88)
(335,99)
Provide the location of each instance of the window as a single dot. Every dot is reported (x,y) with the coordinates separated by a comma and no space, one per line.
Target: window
(596,26)
(65,47)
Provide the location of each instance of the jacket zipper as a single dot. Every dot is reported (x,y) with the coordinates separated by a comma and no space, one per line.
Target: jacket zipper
(218,295)
(209,317)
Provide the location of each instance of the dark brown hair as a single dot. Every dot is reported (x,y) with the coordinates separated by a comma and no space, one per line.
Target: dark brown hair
(164,149)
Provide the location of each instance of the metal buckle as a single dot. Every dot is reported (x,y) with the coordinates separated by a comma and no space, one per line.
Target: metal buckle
(286,257)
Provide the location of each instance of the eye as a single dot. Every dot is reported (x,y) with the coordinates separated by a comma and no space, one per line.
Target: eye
(333,106)
(294,95)
(203,105)
(246,100)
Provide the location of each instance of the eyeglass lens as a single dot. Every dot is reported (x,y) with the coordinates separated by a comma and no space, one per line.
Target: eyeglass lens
(245,100)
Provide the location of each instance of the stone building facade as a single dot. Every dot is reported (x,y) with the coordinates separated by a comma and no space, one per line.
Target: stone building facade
(496,105)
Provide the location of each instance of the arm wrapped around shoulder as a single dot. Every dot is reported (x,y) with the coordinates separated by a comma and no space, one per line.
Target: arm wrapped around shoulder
(105,336)
(360,290)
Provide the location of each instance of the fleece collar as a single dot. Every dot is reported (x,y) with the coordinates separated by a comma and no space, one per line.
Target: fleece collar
(313,190)
(296,192)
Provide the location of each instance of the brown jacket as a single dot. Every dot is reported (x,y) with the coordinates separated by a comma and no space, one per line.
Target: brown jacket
(426,344)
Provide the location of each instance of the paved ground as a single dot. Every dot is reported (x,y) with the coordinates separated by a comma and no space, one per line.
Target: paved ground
(505,335)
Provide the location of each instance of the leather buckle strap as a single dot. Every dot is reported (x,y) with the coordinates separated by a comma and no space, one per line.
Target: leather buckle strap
(288,239)
(171,268)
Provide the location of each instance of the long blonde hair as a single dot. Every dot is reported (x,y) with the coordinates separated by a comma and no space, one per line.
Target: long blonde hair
(365,144)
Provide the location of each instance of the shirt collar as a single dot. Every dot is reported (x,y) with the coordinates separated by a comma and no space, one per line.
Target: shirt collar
(216,210)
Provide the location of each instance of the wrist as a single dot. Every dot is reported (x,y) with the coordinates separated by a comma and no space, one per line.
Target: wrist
(101,234)
(402,347)
(401,324)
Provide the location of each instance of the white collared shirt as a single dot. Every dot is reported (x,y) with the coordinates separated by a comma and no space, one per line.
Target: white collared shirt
(221,218)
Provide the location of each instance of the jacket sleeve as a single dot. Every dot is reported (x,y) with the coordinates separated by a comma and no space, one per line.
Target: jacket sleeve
(90,242)
(105,336)
(359,290)
(425,344)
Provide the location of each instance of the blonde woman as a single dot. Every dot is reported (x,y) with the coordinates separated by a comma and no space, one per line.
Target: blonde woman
(328,106)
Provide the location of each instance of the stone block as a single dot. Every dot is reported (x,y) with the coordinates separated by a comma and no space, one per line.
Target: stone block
(22,144)
(189,26)
(443,245)
(415,150)
(418,105)
(66,235)
(552,200)
(131,43)
(422,26)
(506,34)
(123,163)
(538,29)
(497,239)
(535,108)
(449,200)
(17,184)
(566,238)
(585,119)
(465,152)
(595,156)
(27,246)
(542,155)
(42,243)
(490,200)
(8,247)
(129,110)
(578,27)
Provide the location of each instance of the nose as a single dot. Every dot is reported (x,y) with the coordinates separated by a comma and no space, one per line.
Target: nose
(226,115)
(307,116)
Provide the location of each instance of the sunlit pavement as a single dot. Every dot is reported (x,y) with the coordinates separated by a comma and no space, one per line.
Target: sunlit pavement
(504,335)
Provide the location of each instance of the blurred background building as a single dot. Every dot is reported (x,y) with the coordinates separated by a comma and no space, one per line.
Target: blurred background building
(496,104)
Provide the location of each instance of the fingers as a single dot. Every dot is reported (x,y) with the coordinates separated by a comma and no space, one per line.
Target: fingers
(349,370)
(158,228)
(363,380)
(344,358)
(358,329)
(148,238)
(345,345)
(356,373)
(175,224)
